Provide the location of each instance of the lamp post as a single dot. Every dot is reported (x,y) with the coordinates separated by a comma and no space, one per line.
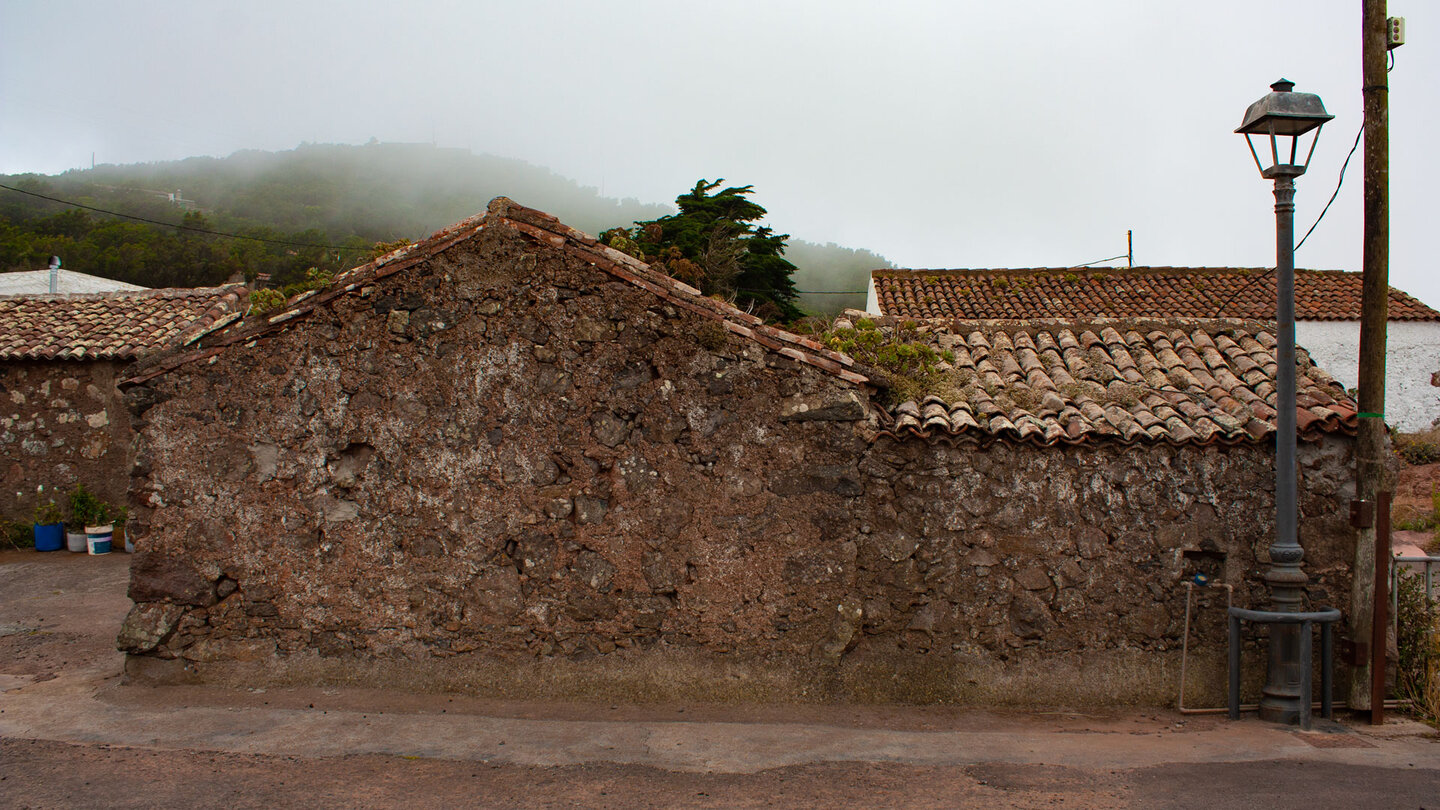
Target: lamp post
(1281,115)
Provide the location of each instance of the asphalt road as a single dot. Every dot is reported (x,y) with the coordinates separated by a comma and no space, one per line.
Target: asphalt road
(72,734)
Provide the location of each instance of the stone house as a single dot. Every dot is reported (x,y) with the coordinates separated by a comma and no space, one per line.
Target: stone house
(1327,313)
(61,419)
(513,461)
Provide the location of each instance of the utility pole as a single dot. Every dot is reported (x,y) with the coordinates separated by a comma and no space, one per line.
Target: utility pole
(1371,472)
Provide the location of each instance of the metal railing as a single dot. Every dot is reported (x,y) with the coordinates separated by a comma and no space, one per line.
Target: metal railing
(1431,567)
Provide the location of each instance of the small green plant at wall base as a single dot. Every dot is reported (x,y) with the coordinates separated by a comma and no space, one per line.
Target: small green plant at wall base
(47,513)
(15,534)
(1417,674)
(86,509)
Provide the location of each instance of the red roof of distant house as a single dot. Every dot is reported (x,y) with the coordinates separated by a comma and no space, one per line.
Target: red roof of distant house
(110,326)
(1138,292)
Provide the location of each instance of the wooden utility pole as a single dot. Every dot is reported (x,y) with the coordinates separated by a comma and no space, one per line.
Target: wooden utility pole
(1371,445)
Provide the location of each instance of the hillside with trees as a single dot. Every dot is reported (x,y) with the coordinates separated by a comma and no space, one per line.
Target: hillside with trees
(320,206)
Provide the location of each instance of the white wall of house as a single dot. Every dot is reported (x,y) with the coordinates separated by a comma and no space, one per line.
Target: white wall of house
(872,298)
(1412,361)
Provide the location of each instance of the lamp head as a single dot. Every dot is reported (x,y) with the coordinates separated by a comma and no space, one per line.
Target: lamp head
(1281,114)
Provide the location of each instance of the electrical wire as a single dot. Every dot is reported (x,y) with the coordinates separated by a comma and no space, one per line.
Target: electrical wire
(1097,261)
(183,227)
(863,292)
(1338,184)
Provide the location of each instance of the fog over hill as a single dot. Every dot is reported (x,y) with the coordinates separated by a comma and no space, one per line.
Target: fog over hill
(342,196)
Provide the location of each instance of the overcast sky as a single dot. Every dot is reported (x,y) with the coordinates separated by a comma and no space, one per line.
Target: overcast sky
(939,134)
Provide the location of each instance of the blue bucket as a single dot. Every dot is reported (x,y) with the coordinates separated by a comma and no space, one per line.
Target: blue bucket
(98,538)
(49,536)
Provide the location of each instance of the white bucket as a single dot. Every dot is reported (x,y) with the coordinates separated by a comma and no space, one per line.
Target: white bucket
(76,542)
(98,538)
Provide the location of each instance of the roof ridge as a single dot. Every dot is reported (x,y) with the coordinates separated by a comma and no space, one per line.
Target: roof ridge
(1137,269)
(1147,291)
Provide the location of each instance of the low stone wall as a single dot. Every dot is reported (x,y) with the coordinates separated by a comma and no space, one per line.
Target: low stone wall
(504,472)
(1016,574)
(61,423)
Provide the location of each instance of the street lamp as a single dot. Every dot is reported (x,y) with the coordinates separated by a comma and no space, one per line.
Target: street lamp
(1285,117)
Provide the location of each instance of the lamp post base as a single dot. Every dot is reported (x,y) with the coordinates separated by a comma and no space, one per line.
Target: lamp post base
(1280,698)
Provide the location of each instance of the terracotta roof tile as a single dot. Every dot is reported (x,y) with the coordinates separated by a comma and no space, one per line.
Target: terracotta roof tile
(115,325)
(1181,381)
(1138,292)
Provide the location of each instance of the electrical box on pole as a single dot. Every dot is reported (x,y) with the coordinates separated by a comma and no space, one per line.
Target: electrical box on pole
(1394,33)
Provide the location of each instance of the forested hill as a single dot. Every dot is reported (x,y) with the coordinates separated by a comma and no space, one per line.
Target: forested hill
(344,197)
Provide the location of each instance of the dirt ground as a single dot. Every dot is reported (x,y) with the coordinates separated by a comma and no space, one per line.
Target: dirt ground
(1414,497)
(72,733)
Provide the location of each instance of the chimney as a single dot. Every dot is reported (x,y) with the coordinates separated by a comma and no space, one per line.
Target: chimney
(54,274)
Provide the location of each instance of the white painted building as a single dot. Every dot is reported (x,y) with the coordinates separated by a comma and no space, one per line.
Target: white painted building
(1412,365)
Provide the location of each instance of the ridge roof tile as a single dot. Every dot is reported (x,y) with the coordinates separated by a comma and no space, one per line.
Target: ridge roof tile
(1137,292)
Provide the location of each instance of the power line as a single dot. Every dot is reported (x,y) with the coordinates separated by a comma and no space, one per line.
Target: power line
(180,227)
(1097,261)
(1338,183)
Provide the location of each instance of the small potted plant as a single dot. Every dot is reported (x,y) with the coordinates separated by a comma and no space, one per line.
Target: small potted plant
(49,526)
(120,515)
(86,512)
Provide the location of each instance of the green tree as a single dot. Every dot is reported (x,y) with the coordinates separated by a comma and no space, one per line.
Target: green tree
(714,244)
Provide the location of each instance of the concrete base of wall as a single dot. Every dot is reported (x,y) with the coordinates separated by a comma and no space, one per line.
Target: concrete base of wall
(1131,678)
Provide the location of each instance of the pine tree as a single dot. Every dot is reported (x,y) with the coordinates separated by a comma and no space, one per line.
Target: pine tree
(714,244)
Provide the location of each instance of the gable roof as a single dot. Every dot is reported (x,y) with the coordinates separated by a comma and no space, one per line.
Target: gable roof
(1138,292)
(1062,382)
(114,325)
(541,227)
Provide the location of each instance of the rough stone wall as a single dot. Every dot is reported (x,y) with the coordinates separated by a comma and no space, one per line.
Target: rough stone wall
(61,423)
(1001,572)
(503,471)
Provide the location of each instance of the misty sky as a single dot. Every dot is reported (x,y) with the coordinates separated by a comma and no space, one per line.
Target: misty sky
(939,134)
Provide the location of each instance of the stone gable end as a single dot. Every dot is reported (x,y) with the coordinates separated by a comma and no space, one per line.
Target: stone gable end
(502,451)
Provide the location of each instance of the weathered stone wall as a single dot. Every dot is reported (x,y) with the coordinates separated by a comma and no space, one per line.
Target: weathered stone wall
(503,471)
(1011,572)
(61,424)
